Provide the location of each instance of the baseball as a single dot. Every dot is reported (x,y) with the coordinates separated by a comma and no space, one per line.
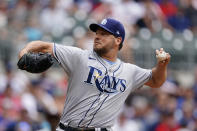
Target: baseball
(161,56)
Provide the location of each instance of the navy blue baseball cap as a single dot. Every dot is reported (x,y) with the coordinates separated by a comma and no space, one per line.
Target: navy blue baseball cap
(111,25)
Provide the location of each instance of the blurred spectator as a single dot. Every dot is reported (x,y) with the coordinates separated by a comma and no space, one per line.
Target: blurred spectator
(6,121)
(45,102)
(3,14)
(191,14)
(125,124)
(101,10)
(194,87)
(11,102)
(169,87)
(24,123)
(195,121)
(126,53)
(16,80)
(86,42)
(153,15)
(187,117)
(6,46)
(19,13)
(47,83)
(9,109)
(53,19)
(179,21)
(32,30)
(140,105)
(168,8)
(129,12)
(167,122)
(183,126)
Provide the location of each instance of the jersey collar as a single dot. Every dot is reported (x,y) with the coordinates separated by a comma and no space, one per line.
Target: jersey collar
(106,62)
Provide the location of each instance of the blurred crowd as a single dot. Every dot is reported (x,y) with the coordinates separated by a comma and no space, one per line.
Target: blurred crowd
(35,102)
(172,107)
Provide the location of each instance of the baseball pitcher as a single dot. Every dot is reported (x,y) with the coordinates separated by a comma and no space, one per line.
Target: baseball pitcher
(99,82)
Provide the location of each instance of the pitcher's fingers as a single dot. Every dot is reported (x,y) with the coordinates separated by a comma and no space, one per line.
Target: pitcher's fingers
(161,50)
(157,52)
(168,55)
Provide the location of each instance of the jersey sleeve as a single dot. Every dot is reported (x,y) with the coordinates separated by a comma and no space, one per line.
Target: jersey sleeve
(67,56)
(141,76)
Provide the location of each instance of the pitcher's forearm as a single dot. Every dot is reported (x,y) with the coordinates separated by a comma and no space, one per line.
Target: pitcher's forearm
(37,46)
(159,75)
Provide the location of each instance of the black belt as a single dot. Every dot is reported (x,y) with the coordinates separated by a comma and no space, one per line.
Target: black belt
(68,128)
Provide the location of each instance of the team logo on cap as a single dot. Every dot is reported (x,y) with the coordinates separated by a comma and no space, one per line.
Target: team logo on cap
(117,32)
(103,22)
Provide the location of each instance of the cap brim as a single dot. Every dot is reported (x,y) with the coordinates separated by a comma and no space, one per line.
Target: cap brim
(94,27)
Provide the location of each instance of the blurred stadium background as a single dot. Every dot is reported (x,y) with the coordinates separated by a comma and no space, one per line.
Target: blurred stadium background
(35,102)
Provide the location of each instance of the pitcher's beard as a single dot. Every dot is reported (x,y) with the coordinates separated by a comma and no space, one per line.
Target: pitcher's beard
(101,51)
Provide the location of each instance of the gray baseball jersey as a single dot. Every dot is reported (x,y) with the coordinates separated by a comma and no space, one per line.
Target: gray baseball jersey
(97,89)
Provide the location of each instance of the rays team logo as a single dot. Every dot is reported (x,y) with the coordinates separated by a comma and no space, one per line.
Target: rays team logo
(103,22)
(105,83)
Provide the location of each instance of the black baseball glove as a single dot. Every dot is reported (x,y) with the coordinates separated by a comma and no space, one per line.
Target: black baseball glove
(35,62)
